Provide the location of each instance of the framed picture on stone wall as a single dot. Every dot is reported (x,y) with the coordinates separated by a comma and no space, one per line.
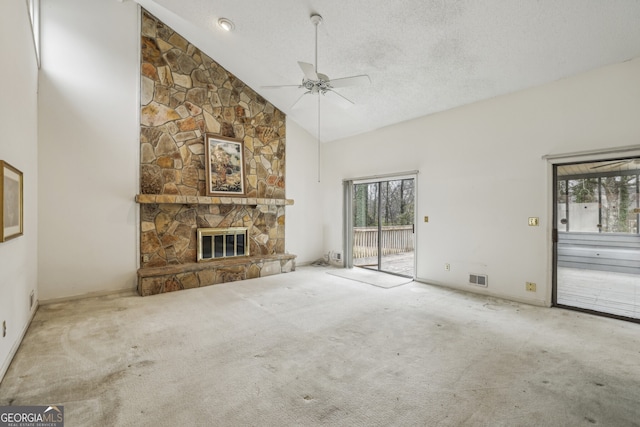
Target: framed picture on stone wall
(224,158)
(11,216)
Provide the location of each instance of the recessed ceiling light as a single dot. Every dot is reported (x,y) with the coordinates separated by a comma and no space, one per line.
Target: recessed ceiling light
(225,24)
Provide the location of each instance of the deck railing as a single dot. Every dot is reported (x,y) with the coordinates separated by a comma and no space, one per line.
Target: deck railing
(396,239)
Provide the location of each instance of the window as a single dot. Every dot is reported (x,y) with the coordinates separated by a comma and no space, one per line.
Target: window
(601,197)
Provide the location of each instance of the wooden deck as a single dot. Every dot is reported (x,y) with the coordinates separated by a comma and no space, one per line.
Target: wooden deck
(602,291)
(402,264)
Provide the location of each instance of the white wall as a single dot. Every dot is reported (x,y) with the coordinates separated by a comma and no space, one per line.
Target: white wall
(482,175)
(88,147)
(18,147)
(303,225)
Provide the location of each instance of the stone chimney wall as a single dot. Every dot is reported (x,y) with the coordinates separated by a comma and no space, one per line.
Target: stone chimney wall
(185,94)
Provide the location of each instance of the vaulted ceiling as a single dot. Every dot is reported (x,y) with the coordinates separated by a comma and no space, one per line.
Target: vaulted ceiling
(423,56)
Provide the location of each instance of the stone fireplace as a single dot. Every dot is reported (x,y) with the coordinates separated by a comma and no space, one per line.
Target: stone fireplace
(185,94)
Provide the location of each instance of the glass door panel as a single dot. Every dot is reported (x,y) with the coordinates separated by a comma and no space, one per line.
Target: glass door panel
(365,225)
(383,226)
(596,239)
(396,217)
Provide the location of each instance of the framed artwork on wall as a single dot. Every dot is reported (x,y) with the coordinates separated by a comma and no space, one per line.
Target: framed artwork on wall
(224,158)
(11,194)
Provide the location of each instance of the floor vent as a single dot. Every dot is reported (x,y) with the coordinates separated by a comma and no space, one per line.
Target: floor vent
(479,279)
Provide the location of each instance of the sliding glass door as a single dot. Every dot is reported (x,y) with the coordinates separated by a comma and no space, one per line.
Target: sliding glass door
(383,225)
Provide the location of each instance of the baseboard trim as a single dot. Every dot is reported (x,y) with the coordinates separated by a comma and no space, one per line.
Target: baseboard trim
(16,345)
(536,302)
(127,291)
(304,264)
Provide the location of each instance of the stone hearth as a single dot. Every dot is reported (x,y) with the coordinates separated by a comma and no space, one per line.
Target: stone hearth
(158,280)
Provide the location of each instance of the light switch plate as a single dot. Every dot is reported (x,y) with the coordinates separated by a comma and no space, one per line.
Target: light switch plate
(426,219)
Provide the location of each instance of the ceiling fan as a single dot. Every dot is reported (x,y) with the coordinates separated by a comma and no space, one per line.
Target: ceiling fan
(315,83)
(616,163)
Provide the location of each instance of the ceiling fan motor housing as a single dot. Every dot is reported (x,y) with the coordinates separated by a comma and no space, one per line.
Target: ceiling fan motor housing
(321,85)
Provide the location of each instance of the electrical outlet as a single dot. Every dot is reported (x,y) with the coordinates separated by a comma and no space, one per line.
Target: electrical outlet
(426,219)
(4,328)
(447,267)
(530,287)
(534,221)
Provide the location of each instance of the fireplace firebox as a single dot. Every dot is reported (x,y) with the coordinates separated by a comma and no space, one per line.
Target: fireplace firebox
(218,243)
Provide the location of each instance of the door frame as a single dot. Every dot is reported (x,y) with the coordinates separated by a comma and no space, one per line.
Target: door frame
(347,212)
(553,161)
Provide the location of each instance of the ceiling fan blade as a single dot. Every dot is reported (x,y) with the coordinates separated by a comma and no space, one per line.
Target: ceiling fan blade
(278,86)
(611,164)
(343,99)
(309,70)
(351,81)
(299,98)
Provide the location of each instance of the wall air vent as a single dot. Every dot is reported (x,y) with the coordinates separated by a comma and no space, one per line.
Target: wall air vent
(479,279)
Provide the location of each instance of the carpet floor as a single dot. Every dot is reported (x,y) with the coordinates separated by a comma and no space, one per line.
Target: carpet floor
(310,349)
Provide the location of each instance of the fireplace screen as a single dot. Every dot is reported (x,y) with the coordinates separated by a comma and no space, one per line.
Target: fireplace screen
(215,243)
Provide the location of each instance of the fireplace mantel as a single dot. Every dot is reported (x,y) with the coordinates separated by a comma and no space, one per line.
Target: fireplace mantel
(206,200)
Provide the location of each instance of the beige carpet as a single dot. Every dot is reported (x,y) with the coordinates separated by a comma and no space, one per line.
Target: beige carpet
(375,278)
(311,349)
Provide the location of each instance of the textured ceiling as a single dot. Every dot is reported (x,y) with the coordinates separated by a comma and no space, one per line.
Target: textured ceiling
(423,56)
